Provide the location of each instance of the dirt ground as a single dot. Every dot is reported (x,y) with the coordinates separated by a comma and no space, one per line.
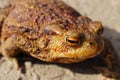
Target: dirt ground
(106,11)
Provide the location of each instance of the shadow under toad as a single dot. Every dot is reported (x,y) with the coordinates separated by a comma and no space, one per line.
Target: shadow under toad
(84,67)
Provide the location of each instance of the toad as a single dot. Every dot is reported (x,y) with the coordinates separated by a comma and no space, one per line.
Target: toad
(52,31)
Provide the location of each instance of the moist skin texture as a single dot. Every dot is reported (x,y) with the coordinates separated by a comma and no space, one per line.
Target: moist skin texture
(51,31)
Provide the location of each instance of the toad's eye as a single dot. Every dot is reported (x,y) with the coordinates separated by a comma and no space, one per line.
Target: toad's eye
(75,39)
(72,41)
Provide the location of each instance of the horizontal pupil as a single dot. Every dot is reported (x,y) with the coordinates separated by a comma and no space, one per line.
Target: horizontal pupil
(71,41)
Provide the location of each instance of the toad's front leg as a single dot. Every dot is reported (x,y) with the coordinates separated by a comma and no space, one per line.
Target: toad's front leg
(111,69)
(9,50)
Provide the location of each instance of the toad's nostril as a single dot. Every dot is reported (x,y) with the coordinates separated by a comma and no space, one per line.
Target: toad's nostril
(97,27)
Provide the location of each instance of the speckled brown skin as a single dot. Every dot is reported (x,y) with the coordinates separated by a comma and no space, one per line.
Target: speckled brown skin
(49,30)
(41,29)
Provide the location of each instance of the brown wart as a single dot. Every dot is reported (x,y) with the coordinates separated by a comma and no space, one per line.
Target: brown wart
(53,29)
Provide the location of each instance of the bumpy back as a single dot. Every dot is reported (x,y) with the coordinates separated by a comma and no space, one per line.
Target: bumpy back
(35,14)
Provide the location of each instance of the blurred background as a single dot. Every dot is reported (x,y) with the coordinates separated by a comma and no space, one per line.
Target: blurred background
(106,11)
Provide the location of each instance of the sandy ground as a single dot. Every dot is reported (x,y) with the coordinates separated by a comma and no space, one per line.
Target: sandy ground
(107,11)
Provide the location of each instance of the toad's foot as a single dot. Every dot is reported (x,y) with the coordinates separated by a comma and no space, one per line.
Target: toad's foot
(15,62)
(9,50)
(107,74)
(111,70)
